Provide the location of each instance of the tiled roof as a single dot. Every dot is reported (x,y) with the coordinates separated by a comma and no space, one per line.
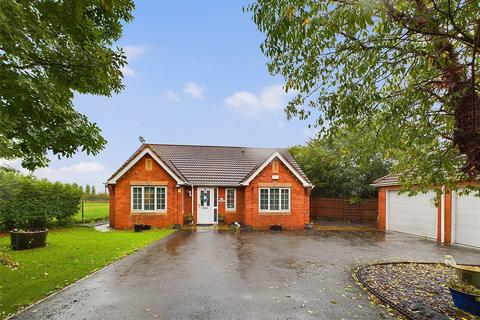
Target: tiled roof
(388,180)
(214,165)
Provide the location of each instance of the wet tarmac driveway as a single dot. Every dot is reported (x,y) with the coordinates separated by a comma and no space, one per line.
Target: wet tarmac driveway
(253,275)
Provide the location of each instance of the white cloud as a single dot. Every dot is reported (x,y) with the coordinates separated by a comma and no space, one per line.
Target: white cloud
(15,164)
(128,72)
(194,90)
(173,96)
(70,173)
(269,99)
(133,52)
(84,167)
(85,172)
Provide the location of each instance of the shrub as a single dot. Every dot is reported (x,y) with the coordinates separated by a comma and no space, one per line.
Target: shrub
(28,202)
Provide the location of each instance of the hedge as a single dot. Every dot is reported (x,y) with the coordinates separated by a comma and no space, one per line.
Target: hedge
(28,202)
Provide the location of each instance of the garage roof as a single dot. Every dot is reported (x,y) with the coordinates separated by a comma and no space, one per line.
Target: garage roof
(388,180)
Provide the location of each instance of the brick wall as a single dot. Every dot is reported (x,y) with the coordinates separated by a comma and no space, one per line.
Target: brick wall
(179,201)
(299,200)
(121,216)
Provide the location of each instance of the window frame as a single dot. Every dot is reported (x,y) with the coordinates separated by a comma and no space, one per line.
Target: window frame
(234,199)
(155,198)
(279,200)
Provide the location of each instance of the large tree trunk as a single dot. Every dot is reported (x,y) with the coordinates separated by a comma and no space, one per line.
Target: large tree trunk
(467,127)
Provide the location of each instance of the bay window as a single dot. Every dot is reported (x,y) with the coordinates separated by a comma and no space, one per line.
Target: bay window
(149,198)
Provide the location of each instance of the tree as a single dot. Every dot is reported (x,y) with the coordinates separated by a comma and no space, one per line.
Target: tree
(87,190)
(50,50)
(407,70)
(94,192)
(337,170)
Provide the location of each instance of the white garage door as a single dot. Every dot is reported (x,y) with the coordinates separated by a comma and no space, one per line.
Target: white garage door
(467,220)
(415,215)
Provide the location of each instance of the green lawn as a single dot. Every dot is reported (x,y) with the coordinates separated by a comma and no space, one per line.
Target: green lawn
(93,211)
(70,255)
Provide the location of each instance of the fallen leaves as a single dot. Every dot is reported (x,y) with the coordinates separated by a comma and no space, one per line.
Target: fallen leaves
(402,284)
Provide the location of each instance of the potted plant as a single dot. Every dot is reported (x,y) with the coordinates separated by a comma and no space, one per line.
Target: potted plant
(187,219)
(465,290)
(21,239)
(466,297)
(221,219)
(309,226)
(137,227)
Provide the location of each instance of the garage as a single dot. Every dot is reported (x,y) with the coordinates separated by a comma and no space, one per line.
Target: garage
(467,220)
(415,215)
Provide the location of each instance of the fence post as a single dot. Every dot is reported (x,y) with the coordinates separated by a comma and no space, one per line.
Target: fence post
(82,210)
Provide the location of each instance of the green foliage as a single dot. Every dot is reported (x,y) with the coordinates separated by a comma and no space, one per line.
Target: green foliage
(340,168)
(395,68)
(87,190)
(27,202)
(50,50)
(70,255)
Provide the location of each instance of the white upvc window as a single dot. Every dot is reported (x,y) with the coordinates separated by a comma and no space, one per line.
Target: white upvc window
(149,198)
(274,199)
(231,199)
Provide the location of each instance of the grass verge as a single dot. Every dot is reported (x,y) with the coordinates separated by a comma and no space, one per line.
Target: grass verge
(70,255)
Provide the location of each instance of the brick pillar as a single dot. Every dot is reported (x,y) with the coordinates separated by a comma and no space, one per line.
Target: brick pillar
(448,217)
(382,209)
(306,205)
(248,205)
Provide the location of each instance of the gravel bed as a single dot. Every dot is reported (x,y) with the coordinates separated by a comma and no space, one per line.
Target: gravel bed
(409,285)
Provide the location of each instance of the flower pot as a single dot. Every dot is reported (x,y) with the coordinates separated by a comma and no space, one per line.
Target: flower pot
(28,239)
(309,226)
(469,274)
(466,301)
(137,227)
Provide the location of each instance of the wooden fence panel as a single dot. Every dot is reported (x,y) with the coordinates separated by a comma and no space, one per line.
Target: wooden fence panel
(364,211)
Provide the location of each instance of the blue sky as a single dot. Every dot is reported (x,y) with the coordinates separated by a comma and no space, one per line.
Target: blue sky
(195,75)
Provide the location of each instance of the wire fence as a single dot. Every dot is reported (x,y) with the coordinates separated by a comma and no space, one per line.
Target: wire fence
(91,211)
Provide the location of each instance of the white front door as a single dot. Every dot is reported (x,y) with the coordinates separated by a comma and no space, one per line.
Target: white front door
(205,206)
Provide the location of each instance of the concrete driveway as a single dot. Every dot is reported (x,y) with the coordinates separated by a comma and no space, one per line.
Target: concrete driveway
(253,275)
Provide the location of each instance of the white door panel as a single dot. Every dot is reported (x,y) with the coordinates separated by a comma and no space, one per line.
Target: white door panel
(415,215)
(467,220)
(205,206)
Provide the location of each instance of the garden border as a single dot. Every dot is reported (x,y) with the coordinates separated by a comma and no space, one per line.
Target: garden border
(402,311)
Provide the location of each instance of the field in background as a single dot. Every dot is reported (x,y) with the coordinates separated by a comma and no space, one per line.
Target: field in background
(93,211)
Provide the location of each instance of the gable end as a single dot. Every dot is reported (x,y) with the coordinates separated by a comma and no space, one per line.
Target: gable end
(131,163)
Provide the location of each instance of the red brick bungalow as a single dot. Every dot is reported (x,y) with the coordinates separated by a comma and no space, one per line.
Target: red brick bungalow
(449,218)
(160,184)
